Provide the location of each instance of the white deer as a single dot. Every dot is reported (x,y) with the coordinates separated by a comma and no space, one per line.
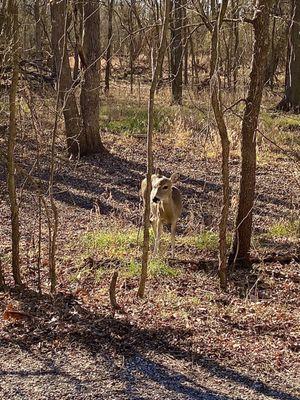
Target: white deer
(165,205)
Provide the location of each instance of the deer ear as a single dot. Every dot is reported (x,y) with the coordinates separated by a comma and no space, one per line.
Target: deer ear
(174,177)
(158,172)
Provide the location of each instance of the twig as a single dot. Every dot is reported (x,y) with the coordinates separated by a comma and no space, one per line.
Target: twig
(112,293)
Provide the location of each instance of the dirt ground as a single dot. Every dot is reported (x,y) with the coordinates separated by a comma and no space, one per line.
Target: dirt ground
(186,340)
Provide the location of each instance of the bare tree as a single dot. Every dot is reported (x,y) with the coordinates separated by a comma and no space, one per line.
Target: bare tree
(219,116)
(90,141)
(155,78)
(291,100)
(243,226)
(67,97)
(13,30)
(176,52)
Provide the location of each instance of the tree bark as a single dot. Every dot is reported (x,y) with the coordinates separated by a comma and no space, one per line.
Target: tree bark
(13,29)
(146,216)
(176,52)
(243,226)
(291,100)
(90,89)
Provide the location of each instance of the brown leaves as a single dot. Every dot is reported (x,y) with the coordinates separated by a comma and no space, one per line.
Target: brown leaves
(15,315)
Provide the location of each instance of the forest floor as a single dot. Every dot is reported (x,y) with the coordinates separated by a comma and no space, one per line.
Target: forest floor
(186,339)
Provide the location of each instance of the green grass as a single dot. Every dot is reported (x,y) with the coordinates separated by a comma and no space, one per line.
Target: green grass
(280,120)
(156,268)
(206,240)
(131,120)
(284,128)
(111,243)
(290,229)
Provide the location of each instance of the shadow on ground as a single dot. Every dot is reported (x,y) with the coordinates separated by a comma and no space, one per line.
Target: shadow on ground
(62,318)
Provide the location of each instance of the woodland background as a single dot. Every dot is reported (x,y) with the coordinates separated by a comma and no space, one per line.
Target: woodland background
(93,96)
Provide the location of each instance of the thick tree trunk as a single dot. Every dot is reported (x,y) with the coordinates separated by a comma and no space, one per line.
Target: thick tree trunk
(109,44)
(176,52)
(13,29)
(243,227)
(90,90)
(63,71)
(291,100)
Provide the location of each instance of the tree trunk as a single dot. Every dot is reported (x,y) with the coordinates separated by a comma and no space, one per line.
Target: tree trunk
(186,43)
(131,46)
(236,54)
(63,71)
(13,29)
(291,100)
(78,27)
(38,31)
(90,90)
(2,280)
(176,52)
(109,44)
(243,227)
(195,74)
(219,116)
(155,78)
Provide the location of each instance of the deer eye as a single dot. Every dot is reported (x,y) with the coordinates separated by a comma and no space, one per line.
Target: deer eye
(165,187)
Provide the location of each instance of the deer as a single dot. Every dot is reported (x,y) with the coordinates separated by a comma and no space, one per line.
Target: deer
(165,205)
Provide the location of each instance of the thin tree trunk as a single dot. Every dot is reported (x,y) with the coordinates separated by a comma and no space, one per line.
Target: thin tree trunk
(12,133)
(76,64)
(155,78)
(176,53)
(78,27)
(219,116)
(236,45)
(195,75)
(186,43)
(2,280)
(109,44)
(38,31)
(243,227)
(90,90)
(131,46)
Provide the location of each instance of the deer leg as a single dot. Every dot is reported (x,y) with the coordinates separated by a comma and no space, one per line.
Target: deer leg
(173,232)
(157,236)
(153,224)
